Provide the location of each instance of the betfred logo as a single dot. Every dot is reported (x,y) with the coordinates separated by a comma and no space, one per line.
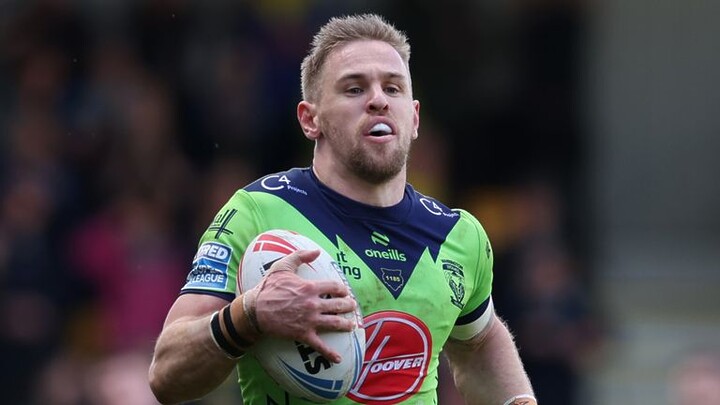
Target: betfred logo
(214,251)
(397,356)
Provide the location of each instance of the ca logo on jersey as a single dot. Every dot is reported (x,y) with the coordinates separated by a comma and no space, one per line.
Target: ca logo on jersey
(276,182)
(456,280)
(435,209)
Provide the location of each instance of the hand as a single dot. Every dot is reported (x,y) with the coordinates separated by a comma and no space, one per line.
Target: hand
(290,307)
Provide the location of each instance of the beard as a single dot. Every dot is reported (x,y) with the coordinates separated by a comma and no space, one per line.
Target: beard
(376,169)
(373,166)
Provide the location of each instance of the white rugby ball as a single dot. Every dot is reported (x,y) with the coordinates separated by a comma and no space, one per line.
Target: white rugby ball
(295,366)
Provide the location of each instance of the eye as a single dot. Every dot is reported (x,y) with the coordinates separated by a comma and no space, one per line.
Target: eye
(354,90)
(392,89)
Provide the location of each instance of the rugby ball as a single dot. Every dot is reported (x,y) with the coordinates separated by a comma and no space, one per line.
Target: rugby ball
(295,366)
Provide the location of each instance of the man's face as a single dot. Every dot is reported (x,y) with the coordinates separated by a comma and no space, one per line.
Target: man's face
(366,117)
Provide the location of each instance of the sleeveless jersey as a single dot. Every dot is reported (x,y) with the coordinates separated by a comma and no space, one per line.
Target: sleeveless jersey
(420,271)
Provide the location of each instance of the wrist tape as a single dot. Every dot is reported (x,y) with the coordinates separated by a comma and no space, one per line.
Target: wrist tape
(230,328)
(230,351)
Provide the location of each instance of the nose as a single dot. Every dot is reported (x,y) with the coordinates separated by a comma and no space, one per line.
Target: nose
(378,100)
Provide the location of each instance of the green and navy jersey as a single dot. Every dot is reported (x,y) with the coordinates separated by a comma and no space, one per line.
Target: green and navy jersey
(421,272)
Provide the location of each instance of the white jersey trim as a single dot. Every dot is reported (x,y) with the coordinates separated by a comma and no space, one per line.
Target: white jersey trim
(470,330)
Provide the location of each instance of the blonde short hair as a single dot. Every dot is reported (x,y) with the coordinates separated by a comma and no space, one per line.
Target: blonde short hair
(339,31)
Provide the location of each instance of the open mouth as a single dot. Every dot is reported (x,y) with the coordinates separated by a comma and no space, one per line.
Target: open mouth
(380,129)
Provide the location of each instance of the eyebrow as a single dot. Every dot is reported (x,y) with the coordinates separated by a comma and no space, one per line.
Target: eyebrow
(357,76)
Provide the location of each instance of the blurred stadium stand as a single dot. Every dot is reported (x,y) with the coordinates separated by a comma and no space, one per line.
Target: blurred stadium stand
(655,87)
(583,135)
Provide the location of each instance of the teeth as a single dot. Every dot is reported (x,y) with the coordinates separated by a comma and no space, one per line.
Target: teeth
(381,128)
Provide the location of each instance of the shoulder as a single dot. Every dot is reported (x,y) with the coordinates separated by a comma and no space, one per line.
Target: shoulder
(472,221)
(277,183)
(249,204)
(429,208)
(462,226)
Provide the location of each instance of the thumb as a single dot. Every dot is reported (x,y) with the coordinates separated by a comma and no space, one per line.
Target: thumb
(292,261)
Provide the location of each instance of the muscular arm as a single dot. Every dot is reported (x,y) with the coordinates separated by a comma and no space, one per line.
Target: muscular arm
(186,363)
(487,368)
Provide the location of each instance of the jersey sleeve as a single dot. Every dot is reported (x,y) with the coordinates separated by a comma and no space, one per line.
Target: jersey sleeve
(478,310)
(221,247)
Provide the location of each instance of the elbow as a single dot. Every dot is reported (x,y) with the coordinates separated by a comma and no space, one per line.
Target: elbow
(159,387)
(166,388)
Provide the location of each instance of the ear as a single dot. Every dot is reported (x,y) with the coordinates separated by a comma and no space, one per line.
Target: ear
(307,117)
(416,118)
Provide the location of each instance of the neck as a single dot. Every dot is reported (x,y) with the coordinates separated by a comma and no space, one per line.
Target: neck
(385,194)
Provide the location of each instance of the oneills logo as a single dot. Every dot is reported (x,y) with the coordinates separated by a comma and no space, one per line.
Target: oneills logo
(388,254)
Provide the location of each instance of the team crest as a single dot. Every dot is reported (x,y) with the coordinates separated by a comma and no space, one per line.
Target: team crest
(393,278)
(456,280)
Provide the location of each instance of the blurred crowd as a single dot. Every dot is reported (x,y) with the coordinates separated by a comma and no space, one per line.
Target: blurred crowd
(125,125)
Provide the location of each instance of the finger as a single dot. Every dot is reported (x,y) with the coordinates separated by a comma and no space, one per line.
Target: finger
(337,305)
(334,323)
(316,343)
(332,288)
(292,261)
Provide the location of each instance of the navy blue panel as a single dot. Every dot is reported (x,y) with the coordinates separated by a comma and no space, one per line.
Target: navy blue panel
(475,314)
(224,295)
(390,240)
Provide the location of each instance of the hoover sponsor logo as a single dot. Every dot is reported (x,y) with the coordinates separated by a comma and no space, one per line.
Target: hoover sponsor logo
(397,356)
(397,364)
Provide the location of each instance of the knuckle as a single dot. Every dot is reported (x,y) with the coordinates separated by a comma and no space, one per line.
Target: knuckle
(311,305)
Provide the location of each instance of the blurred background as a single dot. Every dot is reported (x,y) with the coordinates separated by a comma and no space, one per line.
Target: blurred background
(584,136)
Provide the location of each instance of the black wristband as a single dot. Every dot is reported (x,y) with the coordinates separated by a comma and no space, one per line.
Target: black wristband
(230,327)
(220,340)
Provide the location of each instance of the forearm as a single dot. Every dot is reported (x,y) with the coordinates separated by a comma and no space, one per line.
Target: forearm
(194,355)
(488,370)
(187,364)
